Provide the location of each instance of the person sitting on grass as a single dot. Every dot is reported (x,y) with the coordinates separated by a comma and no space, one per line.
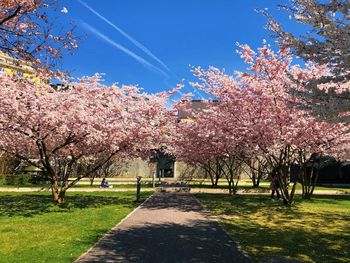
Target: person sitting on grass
(104,183)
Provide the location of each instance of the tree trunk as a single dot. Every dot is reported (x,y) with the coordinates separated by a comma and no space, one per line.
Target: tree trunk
(235,188)
(230,188)
(283,181)
(208,172)
(309,187)
(213,172)
(92,180)
(217,171)
(58,194)
(258,180)
(260,174)
(216,180)
(254,179)
(61,197)
(212,179)
(257,171)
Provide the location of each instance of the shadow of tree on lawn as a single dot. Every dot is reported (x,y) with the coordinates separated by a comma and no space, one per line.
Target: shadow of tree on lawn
(268,229)
(28,205)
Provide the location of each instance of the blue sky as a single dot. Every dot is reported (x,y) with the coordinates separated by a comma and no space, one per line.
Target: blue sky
(152,43)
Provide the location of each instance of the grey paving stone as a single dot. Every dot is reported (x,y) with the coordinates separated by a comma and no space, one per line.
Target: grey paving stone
(168,227)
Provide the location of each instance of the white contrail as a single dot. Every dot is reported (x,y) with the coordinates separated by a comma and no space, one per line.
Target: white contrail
(126,35)
(124,49)
(136,43)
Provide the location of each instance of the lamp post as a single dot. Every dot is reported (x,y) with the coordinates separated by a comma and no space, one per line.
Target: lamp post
(138,188)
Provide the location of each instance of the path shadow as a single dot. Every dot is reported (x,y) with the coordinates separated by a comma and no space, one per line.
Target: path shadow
(200,241)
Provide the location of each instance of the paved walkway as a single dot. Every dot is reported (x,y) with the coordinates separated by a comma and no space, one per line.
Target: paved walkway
(168,227)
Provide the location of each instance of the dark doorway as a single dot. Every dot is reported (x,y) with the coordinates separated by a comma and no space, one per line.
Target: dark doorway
(165,166)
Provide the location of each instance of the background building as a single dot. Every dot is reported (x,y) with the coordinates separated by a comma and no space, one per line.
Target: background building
(15,66)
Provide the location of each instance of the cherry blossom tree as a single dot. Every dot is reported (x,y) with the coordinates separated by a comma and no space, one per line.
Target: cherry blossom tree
(27,32)
(54,129)
(188,146)
(326,43)
(256,115)
(294,134)
(205,141)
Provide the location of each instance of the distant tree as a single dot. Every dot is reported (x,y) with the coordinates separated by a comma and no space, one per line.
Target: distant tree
(211,142)
(213,169)
(326,43)
(258,169)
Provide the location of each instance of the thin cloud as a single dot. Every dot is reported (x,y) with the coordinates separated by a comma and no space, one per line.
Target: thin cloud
(124,49)
(126,35)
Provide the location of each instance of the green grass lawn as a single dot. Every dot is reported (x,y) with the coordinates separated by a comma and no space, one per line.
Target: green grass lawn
(132,186)
(264,186)
(115,185)
(32,229)
(311,231)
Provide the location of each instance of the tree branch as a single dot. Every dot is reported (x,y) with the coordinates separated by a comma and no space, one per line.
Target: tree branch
(15,13)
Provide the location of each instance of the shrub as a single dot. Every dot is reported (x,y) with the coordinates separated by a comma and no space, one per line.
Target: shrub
(16,179)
